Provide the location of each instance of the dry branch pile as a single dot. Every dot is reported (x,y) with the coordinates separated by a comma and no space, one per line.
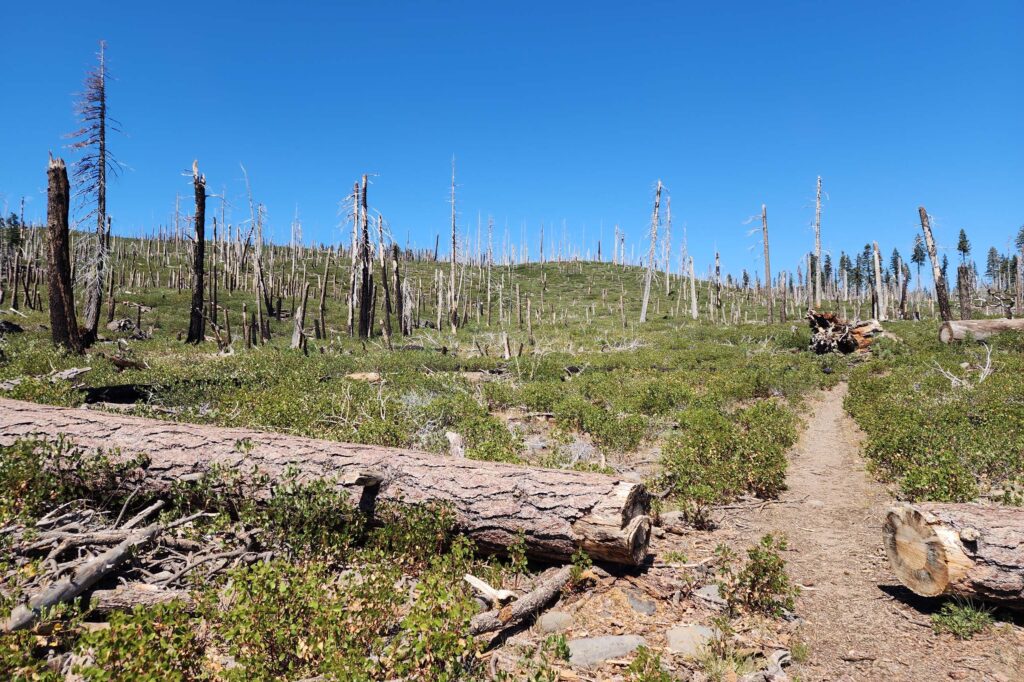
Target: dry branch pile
(832,334)
(81,548)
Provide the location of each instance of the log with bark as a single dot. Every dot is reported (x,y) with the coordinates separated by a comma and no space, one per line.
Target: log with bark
(968,550)
(832,334)
(556,511)
(958,330)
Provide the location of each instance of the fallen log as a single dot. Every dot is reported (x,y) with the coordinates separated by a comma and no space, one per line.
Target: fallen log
(979,330)
(832,334)
(556,511)
(968,550)
(128,596)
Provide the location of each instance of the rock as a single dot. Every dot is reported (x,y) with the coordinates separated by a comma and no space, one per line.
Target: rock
(123,325)
(710,593)
(590,651)
(815,503)
(640,605)
(673,522)
(688,640)
(8,327)
(554,621)
(581,451)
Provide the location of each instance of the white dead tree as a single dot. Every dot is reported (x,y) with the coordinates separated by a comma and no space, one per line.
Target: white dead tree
(650,255)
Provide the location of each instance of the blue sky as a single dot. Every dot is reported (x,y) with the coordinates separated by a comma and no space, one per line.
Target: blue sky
(555,112)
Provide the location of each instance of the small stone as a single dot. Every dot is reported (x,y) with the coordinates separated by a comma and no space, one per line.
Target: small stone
(688,640)
(711,594)
(815,503)
(554,621)
(592,650)
(673,522)
(640,605)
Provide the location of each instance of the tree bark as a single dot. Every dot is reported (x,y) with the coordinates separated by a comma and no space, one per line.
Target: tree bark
(63,322)
(556,511)
(196,321)
(967,550)
(957,330)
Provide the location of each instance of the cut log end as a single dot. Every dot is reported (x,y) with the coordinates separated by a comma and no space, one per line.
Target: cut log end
(925,555)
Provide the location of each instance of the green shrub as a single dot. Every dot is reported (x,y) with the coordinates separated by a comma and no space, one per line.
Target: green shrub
(961,618)
(148,643)
(761,584)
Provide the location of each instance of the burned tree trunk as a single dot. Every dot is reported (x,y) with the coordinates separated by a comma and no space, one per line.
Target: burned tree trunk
(366,269)
(978,329)
(832,334)
(196,321)
(963,291)
(63,323)
(556,511)
(967,550)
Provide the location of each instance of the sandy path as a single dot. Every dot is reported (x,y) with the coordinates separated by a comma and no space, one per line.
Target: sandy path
(853,607)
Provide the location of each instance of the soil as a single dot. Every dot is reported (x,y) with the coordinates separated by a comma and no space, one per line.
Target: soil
(860,623)
(854,618)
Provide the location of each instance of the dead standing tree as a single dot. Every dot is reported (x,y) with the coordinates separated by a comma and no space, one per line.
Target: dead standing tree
(453,298)
(63,323)
(817,247)
(196,321)
(91,172)
(650,255)
(767,264)
(941,295)
(366,268)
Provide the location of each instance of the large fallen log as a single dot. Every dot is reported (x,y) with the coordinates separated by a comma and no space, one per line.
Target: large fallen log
(557,511)
(968,550)
(979,330)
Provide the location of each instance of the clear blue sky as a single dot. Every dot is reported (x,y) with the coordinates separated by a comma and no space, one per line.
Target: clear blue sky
(555,111)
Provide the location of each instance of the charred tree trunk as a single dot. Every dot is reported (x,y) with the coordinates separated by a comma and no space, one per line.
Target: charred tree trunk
(63,323)
(196,320)
(967,550)
(556,511)
(366,268)
(963,291)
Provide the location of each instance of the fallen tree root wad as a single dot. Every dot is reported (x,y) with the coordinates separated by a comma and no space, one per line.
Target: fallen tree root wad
(832,334)
(967,550)
(556,511)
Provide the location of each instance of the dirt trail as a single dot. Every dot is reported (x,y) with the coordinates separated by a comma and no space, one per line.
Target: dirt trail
(860,624)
